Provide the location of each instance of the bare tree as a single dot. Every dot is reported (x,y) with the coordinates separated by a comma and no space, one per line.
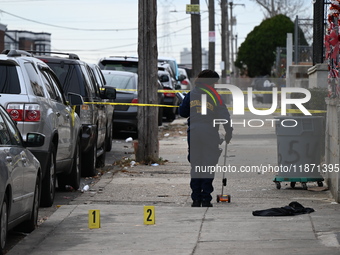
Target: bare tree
(290,8)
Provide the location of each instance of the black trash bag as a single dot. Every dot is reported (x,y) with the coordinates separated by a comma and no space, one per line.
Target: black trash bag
(294,208)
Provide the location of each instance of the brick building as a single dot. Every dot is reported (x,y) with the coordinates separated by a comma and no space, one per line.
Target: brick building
(24,40)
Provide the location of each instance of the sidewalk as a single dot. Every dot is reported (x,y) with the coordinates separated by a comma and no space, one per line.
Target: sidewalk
(226,228)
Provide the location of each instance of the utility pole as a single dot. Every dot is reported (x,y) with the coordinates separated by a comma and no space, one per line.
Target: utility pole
(227,47)
(296,40)
(148,150)
(232,23)
(232,39)
(223,39)
(212,35)
(196,44)
(237,73)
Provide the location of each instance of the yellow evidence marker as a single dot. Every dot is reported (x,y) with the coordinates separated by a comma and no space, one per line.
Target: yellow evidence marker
(94,219)
(149,215)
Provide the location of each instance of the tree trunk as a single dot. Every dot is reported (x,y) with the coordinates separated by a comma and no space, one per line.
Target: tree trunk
(148,150)
(196,51)
(212,29)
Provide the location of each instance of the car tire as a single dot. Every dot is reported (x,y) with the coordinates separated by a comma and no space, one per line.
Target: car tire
(49,181)
(3,224)
(76,167)
(101,158)
(89,161)
(171,116)
(72,179)
(108,138)
(32,223)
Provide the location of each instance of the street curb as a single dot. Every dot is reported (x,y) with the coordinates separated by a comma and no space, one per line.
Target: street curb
(32,241)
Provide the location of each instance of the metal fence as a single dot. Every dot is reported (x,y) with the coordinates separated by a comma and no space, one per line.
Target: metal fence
(305,55)
(319,29)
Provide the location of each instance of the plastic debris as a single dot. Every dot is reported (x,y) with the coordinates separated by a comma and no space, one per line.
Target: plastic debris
(68,188)
(167,134)
(86,188)
(155,164)
(129,139)
(132,163)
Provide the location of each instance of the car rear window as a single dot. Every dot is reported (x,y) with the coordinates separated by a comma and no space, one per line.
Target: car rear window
(9,80)
(120,81)
(70,77)
(119,65)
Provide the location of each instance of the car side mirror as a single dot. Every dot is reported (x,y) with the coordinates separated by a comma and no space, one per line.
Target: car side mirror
(34,140)
(109,92)
(164,78)
(182,77)
(75,99)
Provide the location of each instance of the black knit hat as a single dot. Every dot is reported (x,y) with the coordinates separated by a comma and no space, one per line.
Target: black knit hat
(207,76)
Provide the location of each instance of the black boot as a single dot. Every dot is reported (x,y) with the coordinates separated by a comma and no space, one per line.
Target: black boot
(196,203)
(206,204)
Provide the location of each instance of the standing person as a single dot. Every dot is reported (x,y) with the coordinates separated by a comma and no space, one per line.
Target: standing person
(203,137)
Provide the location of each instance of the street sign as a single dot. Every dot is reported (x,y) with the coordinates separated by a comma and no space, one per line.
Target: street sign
(212,37)
(193,9)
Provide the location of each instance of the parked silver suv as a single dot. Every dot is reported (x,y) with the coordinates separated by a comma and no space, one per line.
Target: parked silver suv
(76,76)
(33,97)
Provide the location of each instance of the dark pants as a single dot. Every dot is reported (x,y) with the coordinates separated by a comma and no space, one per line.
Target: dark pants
(201,189)
(203,154)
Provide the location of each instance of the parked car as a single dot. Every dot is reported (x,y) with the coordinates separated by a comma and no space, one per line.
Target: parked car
(169,65)
(119,63)
(130,64)
(173,65)
(109,108)
(77,77)
(184,79)
(170,98)
(125,116)
(32,95)
(20,179)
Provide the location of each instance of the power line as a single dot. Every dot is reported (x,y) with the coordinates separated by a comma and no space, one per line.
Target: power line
(70,28)
(85,29)
(133,44)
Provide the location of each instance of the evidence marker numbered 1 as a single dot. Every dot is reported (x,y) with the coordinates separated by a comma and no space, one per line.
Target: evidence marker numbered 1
(94,219)
(149,215)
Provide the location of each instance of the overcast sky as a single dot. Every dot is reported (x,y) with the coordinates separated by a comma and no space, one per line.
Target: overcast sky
(120,20)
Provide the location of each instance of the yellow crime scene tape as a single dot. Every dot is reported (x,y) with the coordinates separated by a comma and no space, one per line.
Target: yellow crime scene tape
(219,91)
(133,104)
(279,110)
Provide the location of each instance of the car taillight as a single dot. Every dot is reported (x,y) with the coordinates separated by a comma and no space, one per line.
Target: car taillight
(24,112)
(16,111)
(134,101)
(167,94)
(44,60)
(184,82)
(32,112)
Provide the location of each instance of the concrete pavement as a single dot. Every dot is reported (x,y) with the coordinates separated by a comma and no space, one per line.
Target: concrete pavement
(226,228)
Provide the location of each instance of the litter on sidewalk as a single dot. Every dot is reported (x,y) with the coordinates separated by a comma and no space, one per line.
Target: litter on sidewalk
(294,208)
